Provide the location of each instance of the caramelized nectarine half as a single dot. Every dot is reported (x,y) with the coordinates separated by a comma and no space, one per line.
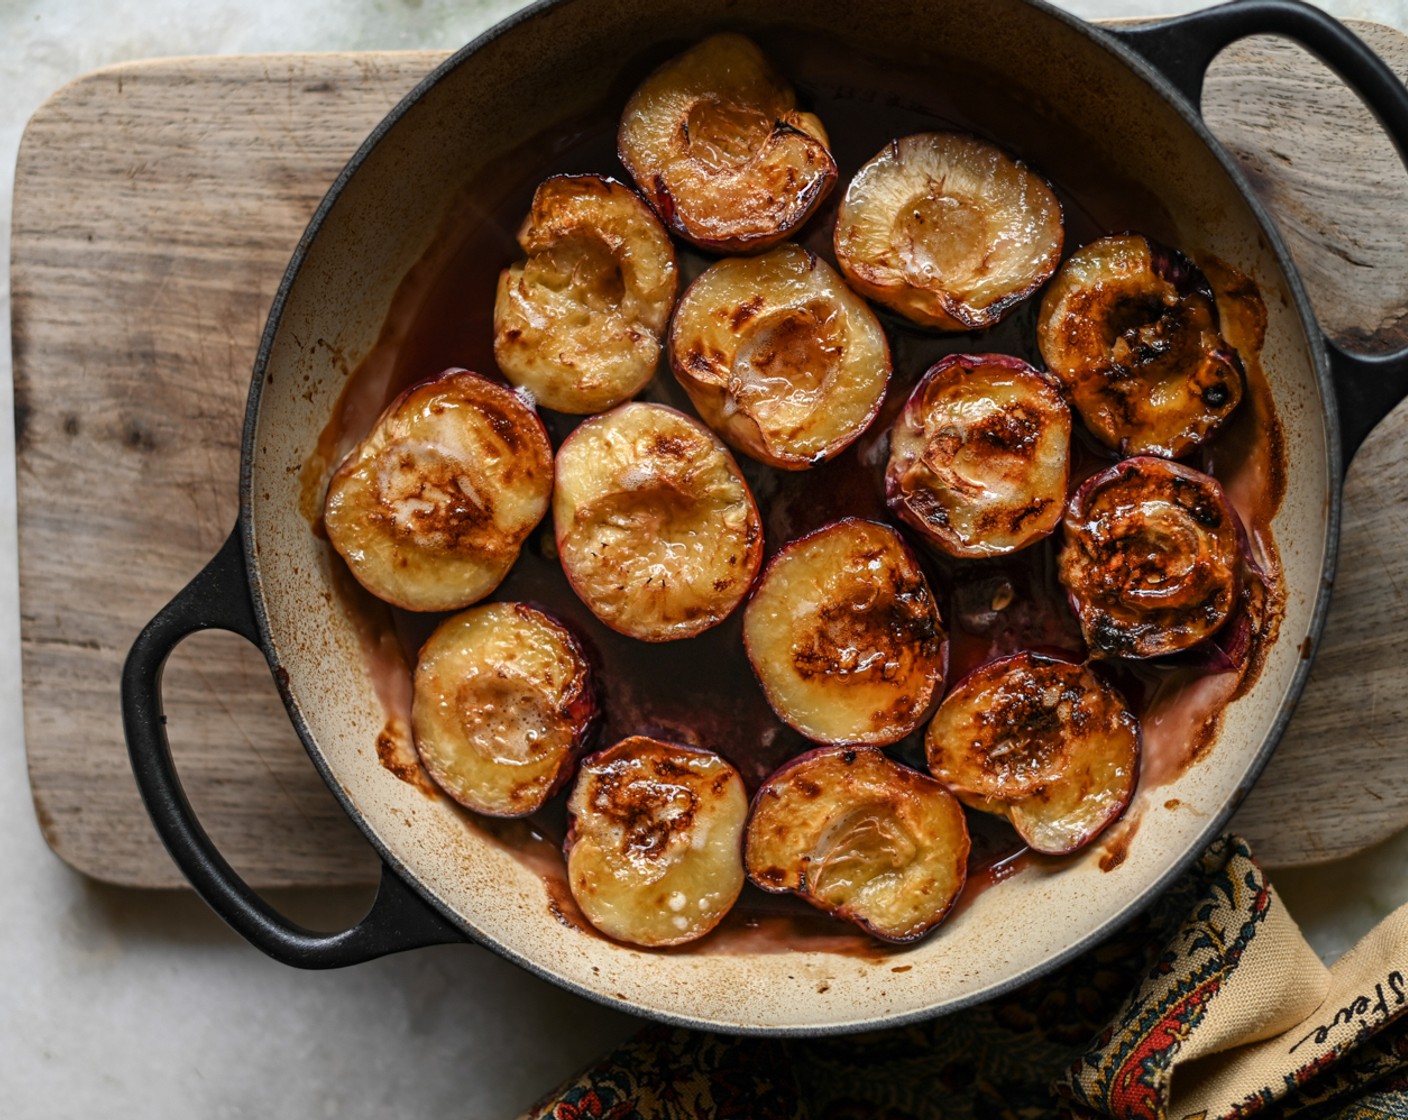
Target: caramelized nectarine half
(1043,742)
(861,837)
(579,323)
(844,635)
(1131,329)
(980,456)
(1152,558)
(654,846)
(502,704)
(948,230)
(715,141)
(431,509)
(780,357)
(656,528)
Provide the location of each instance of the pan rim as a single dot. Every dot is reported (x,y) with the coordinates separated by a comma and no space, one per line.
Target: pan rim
(1319,361)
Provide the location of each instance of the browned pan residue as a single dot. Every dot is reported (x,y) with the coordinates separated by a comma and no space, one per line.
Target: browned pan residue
(441,316)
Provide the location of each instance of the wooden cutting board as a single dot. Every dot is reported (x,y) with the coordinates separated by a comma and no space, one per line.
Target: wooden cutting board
(156,205)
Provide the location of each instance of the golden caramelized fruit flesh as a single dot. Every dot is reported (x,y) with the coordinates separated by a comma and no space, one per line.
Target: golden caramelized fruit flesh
(431,508)
(579,323)
(780,357)
(947,230)
(860,837)
(654,846)
(1152,558)
(715,141)
(502,704)
(656,528)
(980,456)
(845,637)
(1043,742)
(1131,329)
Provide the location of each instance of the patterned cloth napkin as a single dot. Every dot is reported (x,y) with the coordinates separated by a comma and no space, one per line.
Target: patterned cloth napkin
(1213,984)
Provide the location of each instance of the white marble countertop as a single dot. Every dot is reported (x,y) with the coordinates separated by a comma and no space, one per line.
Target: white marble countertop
(142,1004)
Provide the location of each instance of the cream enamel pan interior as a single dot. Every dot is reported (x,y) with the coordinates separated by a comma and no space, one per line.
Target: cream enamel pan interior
(518,82)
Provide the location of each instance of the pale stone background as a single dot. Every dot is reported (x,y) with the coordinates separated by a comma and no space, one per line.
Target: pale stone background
(124,1004)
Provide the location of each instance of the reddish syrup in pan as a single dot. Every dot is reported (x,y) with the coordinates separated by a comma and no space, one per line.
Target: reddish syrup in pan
(442,316)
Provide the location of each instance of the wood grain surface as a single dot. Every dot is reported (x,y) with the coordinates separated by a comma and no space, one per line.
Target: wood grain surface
(156,206)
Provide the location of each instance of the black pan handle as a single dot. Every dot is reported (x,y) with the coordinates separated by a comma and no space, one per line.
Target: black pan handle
(1367,387)
(218,598)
